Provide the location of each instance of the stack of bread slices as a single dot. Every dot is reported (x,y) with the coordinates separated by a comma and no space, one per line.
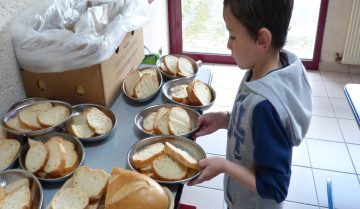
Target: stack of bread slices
(195,93)
(9,149)
(16,195)
(38,116)
(177,66)
(164,161)
(168,121)
(55,158)
(142,84)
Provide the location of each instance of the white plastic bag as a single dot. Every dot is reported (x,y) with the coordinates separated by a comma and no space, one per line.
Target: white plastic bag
(70,34)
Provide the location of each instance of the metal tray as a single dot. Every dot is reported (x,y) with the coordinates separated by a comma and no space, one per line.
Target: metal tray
(12,175)
(196,65)
(78,147)
(140,100)
(12,164)
(185,144)
(17,107)
(167,91)
(78,109)
(139,118)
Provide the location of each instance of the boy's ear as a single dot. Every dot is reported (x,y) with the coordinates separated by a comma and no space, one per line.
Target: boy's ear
(264,39)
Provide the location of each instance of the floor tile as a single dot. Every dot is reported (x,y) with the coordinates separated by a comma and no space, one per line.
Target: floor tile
(335,77)
(355,156)
(200,197)
(217,182)
(342,108)
(313,75)
(318,89)
(293,205)
(350,130)
(302,186)
(330,156)
(301,155)
(335,90)
(355,78)
(225,97)
(214,143)
(322,107)
(346,189)
(324,128)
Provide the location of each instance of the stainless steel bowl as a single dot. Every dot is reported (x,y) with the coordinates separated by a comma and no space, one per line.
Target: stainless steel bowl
(12,164)
(139,118)
(195,64)
(140,100)
(9,176)
(185,144)
(78,147)
(26,101)
(78,109)
(23,105)
(167,91)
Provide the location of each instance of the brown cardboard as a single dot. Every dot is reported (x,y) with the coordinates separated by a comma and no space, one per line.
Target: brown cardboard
(99,84)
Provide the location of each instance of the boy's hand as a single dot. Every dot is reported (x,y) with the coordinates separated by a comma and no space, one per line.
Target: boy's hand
(213,166)
(211,122)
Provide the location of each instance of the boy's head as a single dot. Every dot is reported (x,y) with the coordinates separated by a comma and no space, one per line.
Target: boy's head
(273,15)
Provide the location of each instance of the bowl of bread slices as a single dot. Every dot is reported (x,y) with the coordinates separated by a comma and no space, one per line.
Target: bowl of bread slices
(52,157)
(166,159)
(9,152)
(91,122)
(140,85)
(167,119)
(190,93)
(37,117)
(20,189)
(177,66)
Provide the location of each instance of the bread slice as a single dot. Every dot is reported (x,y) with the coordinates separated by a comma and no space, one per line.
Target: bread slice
(42,106)
(36,156)
(9,149)
(71,157)
(17,125)
(181,156)
(147,86)
(185,67)
(91,182)
(145,156)
(179,121)
(168,169)
(148,123)
(2,193)
(53,116)
(30,119)
(3,134)
(98,121)
(70,198)
(15,185)
(164,68)
(19,199)
(199,93)
(162,127)
(80,127)
(171,63)
(55,164)
(162,111)
(179,94)
(131,80)
(152,72)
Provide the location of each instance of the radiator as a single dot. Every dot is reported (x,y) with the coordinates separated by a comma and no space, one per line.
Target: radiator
(352,45)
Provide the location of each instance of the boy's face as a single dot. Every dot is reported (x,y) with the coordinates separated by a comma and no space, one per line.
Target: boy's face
(242,46)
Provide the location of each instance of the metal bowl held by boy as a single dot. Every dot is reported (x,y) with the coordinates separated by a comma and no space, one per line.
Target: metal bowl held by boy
(178,66)
(167,119)
(21,189)
(36,117)
(53,157)
(166,159)
(141,85)
(91,122)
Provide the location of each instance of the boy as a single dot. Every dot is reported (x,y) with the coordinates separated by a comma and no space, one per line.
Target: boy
(272,110)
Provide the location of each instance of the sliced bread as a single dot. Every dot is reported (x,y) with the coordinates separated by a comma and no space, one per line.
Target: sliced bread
(80,127)
(2,132)
(19,199)
(199,93)
(70,198)
(30,119)
(98,121)
(15,185)
(131,80)
(145,156)
(53,116)
(179,121)
(36,156)
(181,156)
(166,168)
(42,106)
(16,125)
(162,111)
(179,94)
(185,67)
(162,127)
(148,123)
(164,68)
(9,149)
(152,72)
(71,157)
(171,63)
(2,193)
(91,182)
(146,86)
(55,164)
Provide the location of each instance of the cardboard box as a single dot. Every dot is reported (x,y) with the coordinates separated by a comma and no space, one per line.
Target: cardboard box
(99,84)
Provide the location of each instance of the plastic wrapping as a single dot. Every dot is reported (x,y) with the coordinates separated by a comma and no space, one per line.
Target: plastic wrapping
(70,34)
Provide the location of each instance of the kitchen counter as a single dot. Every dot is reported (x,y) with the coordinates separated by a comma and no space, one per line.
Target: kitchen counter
(352,93)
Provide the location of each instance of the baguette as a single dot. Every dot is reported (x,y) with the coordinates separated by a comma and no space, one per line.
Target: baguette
(185,67)
(130,82)
(98,121)
(145,156)
(179,121)
(171,63)
(168,169)
(53,116)
(181,156)
(19,199)
(9,149)
(36,157)
(70,198)
(55,164)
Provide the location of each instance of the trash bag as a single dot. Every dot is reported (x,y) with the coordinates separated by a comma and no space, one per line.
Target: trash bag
(62,35)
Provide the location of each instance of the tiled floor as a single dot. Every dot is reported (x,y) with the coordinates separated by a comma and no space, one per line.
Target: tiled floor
(331,147)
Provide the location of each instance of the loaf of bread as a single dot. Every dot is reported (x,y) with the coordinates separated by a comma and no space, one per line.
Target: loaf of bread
(181,156)
(132,190)
(98,121)
(185,67)
(179,121)
(145,156)
(9,148)
(168,169)
(36,156)
(130,82)
(70,198)
(19,199)
(53,116)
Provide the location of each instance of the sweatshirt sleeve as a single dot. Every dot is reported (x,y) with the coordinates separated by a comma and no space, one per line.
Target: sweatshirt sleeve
(272,153)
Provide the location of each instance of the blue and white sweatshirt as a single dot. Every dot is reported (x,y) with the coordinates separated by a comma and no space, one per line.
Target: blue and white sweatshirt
(270,116)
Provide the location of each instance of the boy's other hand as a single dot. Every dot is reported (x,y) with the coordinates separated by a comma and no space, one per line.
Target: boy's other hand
(212,167)
(211,122)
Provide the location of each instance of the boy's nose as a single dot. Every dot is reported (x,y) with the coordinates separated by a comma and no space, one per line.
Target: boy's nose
(228,44)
